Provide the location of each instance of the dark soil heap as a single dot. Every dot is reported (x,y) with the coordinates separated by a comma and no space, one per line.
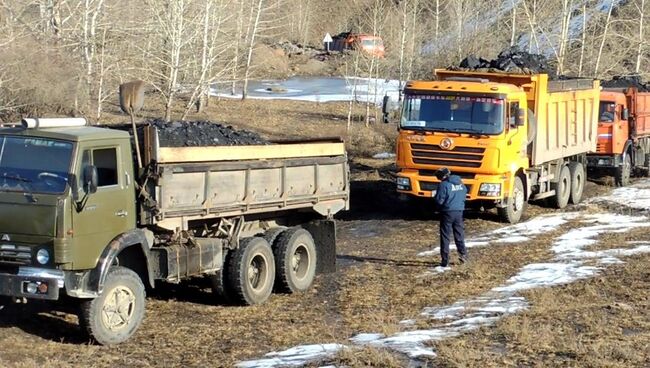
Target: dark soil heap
(202,133)
(510,60)
(625,81)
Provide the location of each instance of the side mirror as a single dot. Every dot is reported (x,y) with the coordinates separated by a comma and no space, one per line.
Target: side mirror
(74,189)
(520,117)
(626,114)
(90,177)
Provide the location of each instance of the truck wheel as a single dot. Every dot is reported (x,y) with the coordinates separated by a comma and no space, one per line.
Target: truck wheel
(622,177)
(516,205)
(295,260)
(562,188)
(577,172)
(251,271)
(272,234)
(221,287)
(115,315)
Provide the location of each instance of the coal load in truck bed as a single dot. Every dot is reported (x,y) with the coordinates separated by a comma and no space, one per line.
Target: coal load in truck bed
(202,133)
(626,81)
(511,60)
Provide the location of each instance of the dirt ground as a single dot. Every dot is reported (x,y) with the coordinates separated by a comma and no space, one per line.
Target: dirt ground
(603,321)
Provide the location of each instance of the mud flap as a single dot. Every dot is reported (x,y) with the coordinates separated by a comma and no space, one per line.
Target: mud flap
(324,234)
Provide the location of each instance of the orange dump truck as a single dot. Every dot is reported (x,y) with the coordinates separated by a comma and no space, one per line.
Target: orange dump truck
(510,137)
(623,135)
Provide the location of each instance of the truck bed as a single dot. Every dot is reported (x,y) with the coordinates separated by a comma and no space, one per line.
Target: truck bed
(193,183)
(639,109)
(567,118)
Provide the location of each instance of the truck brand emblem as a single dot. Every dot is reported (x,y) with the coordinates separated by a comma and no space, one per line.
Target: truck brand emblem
(446,143)
(5,237)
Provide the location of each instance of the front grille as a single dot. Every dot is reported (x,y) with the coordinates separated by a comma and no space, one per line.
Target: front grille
(462,175)
(430,186)
(432,154)
(15,254)
(602,147)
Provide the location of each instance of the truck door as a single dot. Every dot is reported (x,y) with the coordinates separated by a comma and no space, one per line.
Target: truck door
(106,213)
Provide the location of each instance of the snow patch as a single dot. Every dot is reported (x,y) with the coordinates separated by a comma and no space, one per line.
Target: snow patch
(636,196)
(296,356)
(384,155)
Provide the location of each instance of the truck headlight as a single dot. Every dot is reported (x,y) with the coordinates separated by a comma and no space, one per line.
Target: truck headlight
(489,190)
(42,256)
(403,183)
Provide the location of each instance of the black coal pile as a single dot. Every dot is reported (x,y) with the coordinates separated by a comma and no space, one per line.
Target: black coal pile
(511,60)
(626,81)
(202,133)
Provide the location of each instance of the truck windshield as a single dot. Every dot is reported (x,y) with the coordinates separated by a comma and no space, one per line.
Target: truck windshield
(459,114)
(607,112)
(29,164)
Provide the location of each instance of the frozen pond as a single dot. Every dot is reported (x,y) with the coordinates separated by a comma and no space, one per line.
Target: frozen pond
(316,89)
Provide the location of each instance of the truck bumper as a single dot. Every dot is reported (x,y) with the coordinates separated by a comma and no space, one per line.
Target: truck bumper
(425,186)
(603,161)
(32,283)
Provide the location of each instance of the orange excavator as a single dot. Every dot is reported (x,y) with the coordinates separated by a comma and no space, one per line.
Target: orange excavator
(371,45)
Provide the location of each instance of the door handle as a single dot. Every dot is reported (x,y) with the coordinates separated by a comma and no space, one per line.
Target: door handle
(121,213)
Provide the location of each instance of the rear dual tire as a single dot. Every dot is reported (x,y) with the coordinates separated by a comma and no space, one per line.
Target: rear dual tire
(295,260)
(290,258)
(570,185)
(578,178)
(250,272)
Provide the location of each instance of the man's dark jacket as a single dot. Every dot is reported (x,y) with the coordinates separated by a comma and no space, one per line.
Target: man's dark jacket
(451,194)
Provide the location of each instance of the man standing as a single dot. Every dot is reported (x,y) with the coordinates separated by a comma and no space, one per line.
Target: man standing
(450,199)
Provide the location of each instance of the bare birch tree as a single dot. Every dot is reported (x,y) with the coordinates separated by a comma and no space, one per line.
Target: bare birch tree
(639,52)
(603,38)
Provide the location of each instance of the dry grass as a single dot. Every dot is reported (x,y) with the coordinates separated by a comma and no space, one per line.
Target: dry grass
(600,322)
(280,119)
(368,357)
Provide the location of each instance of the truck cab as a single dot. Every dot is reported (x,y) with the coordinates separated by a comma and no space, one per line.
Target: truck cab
(443,124)
(510,137)
(623,135)
(49,223)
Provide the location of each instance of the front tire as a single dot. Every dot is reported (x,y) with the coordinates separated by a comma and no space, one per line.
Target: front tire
(562,188)
(295,260)
(577,172)
(115,315)
(622,178)
(251,271)
(516,204)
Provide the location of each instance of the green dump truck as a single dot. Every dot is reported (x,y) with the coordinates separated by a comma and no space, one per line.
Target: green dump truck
(78,217)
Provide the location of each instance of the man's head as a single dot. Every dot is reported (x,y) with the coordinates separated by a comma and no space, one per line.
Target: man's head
(442,173)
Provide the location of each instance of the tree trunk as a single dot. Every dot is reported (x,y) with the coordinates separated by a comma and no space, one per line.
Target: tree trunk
(602,41)
(251,45)
(514,23)
(582,45)
(235,64)
(405,8)
(639,51)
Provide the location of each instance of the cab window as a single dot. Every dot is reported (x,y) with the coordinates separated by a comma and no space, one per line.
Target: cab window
(105,160)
